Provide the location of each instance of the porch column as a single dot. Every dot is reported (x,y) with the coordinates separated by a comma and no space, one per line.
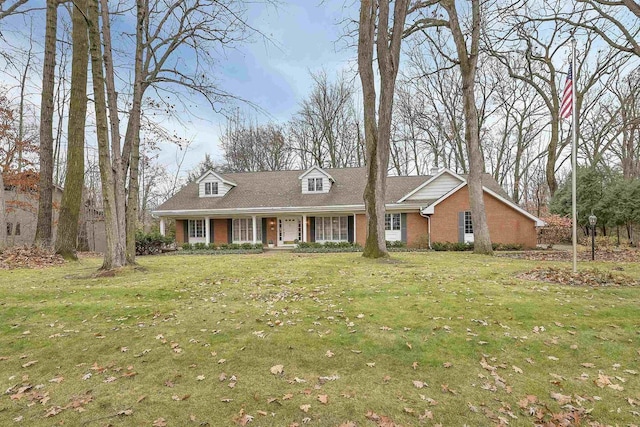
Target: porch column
(304,228)
(207,232)
(255,230)
(355,227)
(162,226)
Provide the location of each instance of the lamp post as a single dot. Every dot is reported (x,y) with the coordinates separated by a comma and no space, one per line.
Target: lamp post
(592,222)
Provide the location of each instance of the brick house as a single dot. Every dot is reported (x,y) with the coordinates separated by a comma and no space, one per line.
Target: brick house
(322,205)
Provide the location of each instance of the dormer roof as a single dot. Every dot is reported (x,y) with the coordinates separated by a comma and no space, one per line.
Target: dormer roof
(219,177)
(319,169)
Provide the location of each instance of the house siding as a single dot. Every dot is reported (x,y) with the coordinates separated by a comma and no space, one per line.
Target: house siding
(417,230)
(437,188)
(361,229)
(222,187)
(326,184)
(506,225)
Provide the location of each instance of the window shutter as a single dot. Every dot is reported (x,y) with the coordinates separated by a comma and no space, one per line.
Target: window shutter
(229,230)
(264,231)
(312,228)
(350,228)
(185,223)
(403,227)
(211,228)
(461,227)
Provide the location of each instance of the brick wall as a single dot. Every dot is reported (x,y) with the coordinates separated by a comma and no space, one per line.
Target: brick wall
(417,230)
(180,231)
(361,229)
(506,225)
(220,231)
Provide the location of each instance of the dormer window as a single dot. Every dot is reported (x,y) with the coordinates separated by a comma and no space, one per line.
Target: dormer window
(314,184)
(210,188)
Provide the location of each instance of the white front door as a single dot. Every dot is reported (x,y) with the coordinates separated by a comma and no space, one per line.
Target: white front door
(289,230)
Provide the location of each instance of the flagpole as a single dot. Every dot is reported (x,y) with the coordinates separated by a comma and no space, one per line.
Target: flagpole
(574,155)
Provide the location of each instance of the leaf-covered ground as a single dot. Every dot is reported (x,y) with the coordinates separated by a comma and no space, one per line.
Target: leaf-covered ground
(318,340)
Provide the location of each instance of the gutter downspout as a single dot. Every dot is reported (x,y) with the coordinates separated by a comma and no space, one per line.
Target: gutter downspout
(428,225)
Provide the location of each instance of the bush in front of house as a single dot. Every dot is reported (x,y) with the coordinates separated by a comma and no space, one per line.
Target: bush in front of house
(396,244)
(151,243)
(460,247)
(220,249)
(326,247)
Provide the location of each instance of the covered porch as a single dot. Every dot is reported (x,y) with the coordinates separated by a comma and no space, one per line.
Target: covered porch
(285,230)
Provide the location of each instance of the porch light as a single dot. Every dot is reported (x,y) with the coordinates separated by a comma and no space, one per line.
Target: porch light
(592,223)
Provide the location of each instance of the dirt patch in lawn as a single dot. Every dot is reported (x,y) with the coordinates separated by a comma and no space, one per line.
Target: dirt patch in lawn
(591,277)
(603,254)
(28,257)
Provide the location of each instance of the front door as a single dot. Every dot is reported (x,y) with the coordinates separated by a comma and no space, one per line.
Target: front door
(289,230)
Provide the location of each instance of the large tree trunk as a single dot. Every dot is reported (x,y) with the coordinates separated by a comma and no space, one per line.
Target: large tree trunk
(132,137)
(468,66)
(44,233)
(375,15)
(114,255)
(67,236)
(119,167)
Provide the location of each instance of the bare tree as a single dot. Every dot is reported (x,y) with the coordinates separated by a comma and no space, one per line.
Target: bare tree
(44,232)
(374,34)
(325,129)
(67,235)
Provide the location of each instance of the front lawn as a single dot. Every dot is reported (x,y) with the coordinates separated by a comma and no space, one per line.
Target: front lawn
(281,339)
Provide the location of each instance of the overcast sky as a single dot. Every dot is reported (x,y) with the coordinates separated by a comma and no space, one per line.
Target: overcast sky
(304,36)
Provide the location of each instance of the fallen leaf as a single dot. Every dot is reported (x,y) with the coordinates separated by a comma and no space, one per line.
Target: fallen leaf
(329,353)
(305,408)
(418,384)
(323,398)
(31,363)
(277,369)
(126,412)
(160,422)
(56,380)
(560,398)
(517,370)
(371,364)
(200,377)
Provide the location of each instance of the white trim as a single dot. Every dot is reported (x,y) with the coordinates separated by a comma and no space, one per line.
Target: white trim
(271,210)
(207,230)
(319,169)
(429,210)
(429,181)
(162,232)
(217,176)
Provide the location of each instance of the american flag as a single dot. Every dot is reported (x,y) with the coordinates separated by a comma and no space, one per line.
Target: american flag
(567,96)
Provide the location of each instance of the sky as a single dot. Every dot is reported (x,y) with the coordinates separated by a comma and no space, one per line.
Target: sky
(303,36)
(271,72)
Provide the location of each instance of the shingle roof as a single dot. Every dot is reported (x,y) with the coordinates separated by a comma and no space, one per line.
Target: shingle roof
(283,189)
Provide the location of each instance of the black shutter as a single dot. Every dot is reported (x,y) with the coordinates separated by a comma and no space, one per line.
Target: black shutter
(229,230)
(211,228)
(350,228)
(185,223)
(264,231)
(403,227)
(461,227)
(312,228)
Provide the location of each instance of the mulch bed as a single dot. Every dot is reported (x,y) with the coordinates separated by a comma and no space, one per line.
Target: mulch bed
(591,277)
(28,257)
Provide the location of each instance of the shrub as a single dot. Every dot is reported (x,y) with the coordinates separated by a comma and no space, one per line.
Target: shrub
(423,241)
(199,246)
(557,231)
(187,246)
(396,244)
(246,246)
(212,246)
(150,243)
(452,246)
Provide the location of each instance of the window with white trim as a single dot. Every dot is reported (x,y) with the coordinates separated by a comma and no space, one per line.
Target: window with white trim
(243,230)
(392,222)
(210,188)
(468,224)
(314,184)
(196,228)
(332,229)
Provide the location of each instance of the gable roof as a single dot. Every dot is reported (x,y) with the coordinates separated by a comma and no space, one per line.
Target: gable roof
(319,169)
(217,176)
(278,189)
(429,181)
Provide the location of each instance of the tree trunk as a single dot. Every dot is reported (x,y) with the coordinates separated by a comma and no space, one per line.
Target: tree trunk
(119,167)
(67,236)
(468,68)
(3,215)
(377,134)
(114,255)
(552,157)
(132,138)
(44,233)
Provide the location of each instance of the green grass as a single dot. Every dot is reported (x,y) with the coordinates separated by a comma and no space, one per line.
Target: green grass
(429,308)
